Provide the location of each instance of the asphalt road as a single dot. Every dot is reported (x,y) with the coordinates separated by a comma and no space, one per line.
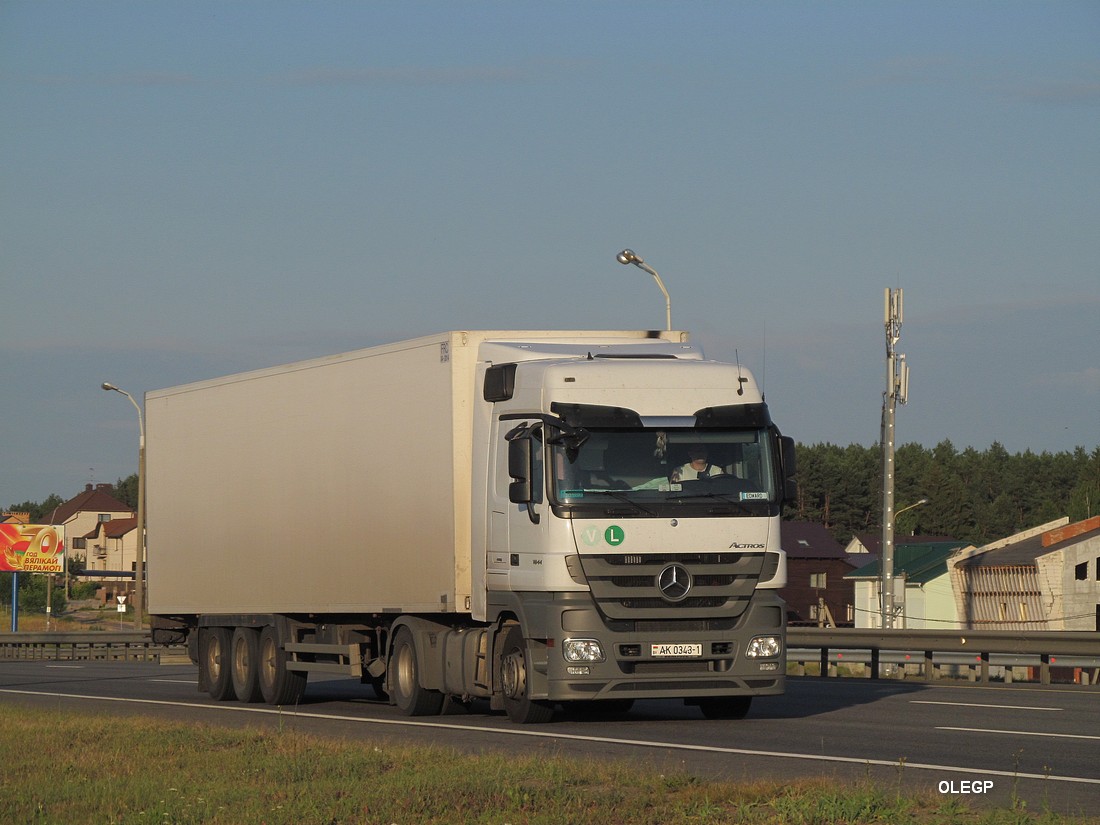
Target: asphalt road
(992,745)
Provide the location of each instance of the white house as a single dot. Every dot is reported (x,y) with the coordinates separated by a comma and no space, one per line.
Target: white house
(922,588)
(1047,578)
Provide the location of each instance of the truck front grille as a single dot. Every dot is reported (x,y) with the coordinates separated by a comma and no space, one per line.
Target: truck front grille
(717,584)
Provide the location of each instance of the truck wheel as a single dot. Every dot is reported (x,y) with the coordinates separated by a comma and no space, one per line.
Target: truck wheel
(378,685)
(410,697)
(725,707)
(278,686)
(214,661)
(245,664)
(520,707)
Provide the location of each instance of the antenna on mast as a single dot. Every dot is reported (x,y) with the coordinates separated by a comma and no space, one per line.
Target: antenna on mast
(897,391)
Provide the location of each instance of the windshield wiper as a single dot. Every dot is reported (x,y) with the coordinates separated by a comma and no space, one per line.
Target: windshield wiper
(621,496)
(743,506)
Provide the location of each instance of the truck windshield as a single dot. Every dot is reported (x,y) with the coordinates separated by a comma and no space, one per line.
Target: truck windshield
(647,467)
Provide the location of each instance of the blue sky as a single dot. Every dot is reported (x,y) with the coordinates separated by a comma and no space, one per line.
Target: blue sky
(193,189)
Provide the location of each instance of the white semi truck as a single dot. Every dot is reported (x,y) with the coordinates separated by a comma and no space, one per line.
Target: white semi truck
(530,518)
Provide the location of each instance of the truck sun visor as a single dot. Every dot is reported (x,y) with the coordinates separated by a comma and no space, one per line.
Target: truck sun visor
(734,415)
(596,415)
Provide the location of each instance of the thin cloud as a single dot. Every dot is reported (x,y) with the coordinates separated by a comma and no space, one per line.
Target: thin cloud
(132,79)
(908,70)
(405,76)
(1086,381)
(1002,311)
(1065,93)
(433,75)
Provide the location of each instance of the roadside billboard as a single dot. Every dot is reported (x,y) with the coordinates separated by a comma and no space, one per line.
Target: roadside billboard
(32,548)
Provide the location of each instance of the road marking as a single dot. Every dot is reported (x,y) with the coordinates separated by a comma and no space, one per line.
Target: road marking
(68,667)
(175,681)
(572,737)
(1024,733)
(976,705)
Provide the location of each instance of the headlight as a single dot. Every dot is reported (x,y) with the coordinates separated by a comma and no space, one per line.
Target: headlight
(582,650)
(764,647)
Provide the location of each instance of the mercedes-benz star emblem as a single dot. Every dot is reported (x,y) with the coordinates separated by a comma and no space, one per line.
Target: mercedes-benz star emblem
(674,582)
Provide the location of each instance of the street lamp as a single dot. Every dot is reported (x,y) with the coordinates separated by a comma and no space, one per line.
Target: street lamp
(910,507)
(139,569)
(627,256)
(887,577)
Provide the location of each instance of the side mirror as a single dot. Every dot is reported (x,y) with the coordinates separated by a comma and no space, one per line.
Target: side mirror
(519,468)
(790,467)
(787,456)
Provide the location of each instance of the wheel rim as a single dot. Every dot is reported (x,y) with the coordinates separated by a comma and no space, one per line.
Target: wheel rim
(406,670)
(267,661)
(513,675)
(240,660)
(214,657)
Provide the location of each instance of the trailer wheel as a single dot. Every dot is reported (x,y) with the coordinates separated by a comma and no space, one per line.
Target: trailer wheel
(214,660)
(411,698)
(278,686)
(725,707)
(245,664)
(521,709)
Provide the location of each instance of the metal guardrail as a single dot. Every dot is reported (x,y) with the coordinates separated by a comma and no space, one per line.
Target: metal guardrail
(931,650)
(103,645)
(927,651)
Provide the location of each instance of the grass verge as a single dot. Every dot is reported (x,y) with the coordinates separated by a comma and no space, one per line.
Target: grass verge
(69,768)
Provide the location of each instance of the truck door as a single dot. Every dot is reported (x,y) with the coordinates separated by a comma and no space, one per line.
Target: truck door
(517,499)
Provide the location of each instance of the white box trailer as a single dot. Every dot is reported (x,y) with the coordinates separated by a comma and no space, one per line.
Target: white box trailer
(428,515)
(339,484)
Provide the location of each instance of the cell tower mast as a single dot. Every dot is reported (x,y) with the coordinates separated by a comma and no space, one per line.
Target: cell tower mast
(897,388)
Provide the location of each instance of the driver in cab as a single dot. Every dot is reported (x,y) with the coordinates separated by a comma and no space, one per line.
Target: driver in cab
(698,466)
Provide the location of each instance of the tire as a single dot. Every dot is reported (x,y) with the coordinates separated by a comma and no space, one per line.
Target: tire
(411,698)
(520,707)
(725,707)
(278,686)
(245,664)
(214,660)
(378,685)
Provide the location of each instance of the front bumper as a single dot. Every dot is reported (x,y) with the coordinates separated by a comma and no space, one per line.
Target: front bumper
(714,661)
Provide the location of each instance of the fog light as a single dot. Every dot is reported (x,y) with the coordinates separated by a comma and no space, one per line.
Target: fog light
(582,650)
(763,647)
(768,666)
(578,670)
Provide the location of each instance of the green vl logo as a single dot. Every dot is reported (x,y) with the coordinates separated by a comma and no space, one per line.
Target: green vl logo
(614,535)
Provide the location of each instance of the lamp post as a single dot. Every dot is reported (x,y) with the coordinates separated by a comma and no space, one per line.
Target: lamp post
(627,256)
(139,568)
(887,584)
(920,503)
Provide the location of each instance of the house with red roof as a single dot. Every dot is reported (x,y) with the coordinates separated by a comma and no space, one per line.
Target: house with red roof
(816,591)
(1046,578)
(103,531)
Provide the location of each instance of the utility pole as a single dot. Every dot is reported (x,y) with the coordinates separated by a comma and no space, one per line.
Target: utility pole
(139,566)
(897,388)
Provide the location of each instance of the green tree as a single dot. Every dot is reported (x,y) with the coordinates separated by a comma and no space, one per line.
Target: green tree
(126,491)
(38,510)
(32,593)
(974,496)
